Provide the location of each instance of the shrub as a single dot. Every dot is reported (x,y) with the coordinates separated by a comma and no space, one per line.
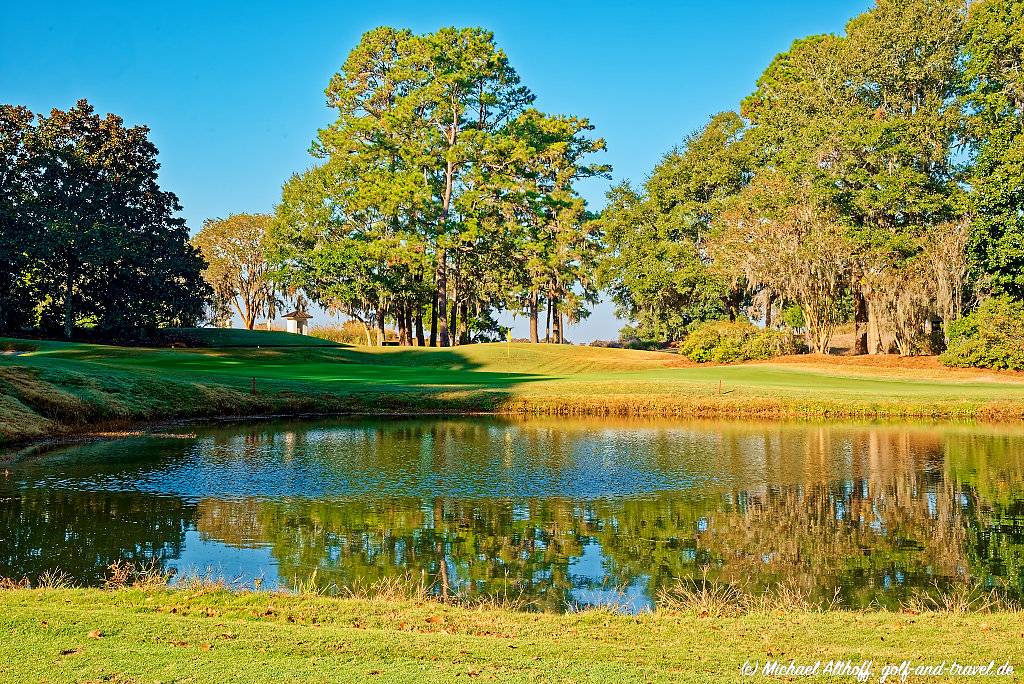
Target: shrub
(728,342)
(793,317)
(607,344)
(992,336)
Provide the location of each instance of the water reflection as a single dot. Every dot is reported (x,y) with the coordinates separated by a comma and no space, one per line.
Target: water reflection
(557,512)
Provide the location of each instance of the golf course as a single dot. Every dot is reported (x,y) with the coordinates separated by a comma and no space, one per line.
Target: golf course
(50,389)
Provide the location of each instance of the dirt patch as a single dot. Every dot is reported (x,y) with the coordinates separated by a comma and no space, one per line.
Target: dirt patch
(842,343)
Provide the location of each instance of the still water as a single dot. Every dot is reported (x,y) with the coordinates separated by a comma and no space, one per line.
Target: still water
(555,513)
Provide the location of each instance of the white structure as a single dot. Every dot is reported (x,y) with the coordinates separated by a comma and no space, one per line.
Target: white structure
(296,321)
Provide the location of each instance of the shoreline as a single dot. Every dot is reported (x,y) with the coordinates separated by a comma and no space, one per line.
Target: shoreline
(683,409)
(15,452)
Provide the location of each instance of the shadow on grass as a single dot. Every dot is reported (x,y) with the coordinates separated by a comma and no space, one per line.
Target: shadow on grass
(408,367)
(67,388)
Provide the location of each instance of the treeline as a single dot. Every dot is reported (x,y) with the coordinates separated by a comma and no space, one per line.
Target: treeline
(88,240)
(875,177)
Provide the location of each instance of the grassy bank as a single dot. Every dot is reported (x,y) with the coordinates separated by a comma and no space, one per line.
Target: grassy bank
(50,388)
(213,636)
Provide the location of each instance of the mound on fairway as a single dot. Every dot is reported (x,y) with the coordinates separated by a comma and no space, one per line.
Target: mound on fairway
(231,337)
(544,359)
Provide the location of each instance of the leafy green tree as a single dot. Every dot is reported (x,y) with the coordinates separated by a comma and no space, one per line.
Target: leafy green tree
(657,268)
(560,244)
(780,235)
(472,91)
(351,231)
(236,264)
(866,124)
(429,181)
(994,98)
(895,171)
(109,251)
(774,237)
(19,234)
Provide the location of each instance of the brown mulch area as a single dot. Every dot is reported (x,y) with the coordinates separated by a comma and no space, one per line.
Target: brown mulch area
(893,364)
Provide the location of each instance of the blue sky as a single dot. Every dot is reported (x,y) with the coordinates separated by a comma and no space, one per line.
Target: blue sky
(233,91)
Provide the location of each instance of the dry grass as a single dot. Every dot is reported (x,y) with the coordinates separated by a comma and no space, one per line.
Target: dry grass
(964,597)
(150,576)
(705,598)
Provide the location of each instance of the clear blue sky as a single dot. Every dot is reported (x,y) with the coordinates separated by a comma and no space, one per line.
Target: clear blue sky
(233,91)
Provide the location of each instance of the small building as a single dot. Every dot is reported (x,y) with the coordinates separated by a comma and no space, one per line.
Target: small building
(297,322)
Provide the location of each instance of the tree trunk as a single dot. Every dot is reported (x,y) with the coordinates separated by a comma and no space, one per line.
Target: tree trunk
(556,323)
(69,307)
(441,290)
(245,313)
(380,328)
(369,342)
(860,324)
(400,322)
(453,329)
(441,295)
(464,323)
(874,334)
(769,303)
(419,327)
(534,315)
(433,320)
(408,326)
(880,337)
(547,324)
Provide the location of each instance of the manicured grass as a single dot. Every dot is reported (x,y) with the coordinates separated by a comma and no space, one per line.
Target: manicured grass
(136,635)
(233,337)
(54,387)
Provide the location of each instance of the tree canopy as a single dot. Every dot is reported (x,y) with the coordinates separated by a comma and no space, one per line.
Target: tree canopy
(440,196)
(870,177)
(236,267)
(89,238)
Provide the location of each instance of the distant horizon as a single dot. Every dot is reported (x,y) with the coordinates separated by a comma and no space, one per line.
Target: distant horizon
(234,96)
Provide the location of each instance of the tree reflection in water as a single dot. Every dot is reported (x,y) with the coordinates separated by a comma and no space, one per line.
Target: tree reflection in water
(488,507)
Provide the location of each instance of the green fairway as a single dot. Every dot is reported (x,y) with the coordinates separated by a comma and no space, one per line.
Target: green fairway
(214,636)
(50,387)
(233,337)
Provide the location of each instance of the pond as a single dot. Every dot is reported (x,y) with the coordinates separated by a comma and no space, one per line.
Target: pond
(555,513)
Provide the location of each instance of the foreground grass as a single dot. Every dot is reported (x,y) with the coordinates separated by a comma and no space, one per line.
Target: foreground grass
(129,635)
(49,388)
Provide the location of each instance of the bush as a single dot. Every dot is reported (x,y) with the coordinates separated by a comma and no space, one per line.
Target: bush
(793,317)
(990,337)
(728,342)
(607,344)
